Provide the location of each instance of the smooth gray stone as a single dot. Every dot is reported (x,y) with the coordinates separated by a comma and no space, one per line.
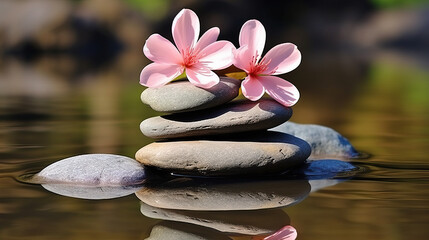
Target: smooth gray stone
(167,230)
(93,170)
(224,195)
(253,222)
(183,96)
(268,153)
(325,142)
(91,192)
(237,116)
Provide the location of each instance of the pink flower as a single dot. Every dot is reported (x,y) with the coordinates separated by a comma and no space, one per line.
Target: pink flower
(198,58)
(280,59)
(286,233)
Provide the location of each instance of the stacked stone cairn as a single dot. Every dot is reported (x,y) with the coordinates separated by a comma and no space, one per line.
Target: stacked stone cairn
(207,132)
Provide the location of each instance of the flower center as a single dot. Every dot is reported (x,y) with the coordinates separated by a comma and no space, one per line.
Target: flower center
(258,68)
(189,57)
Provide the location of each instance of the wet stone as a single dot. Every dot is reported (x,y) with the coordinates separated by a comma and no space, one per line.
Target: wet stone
(237,116)
(324,141)
(183,96)
(93,170)
(262,154)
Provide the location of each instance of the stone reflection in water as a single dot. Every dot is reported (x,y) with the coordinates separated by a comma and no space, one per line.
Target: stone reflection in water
(92,192)
(184,231)
(253,222)
(325,173)
(223,195)
(233,207)
(324,169)
(244,207)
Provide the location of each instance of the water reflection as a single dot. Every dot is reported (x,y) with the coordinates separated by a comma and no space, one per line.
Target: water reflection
(204,208)
(232,207)
(253,222)
(207,208)
(224,195)
(223,206)
(91,192)
(184,231)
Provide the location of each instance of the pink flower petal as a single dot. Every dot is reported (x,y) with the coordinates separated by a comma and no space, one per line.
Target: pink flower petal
(252,88)
(207,38)
(253,35)
(286,233)
(201,76)
(186,29)
(281,59)
(217,55)
(242,58)
(281,90)
(160,50)
(157,75)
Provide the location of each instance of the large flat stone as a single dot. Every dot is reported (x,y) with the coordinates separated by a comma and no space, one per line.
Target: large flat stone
(183,96)
(93,170)
(237,116)
(262,154)
(223,195)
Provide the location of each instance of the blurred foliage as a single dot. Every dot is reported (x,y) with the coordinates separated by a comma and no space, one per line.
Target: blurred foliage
(397,3)
(393,111)
(407,85)
(154,10)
